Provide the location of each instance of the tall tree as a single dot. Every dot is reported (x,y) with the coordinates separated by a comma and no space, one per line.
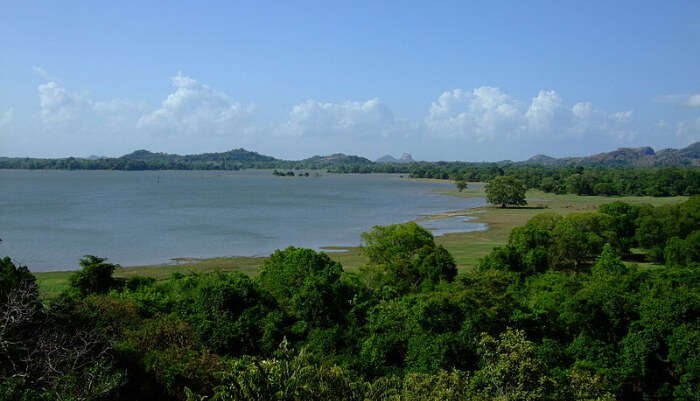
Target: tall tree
(505,191)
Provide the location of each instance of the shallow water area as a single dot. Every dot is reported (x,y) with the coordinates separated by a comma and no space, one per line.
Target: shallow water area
(452,225)
(49,219)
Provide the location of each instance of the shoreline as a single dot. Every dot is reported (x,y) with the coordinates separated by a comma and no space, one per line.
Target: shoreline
(51,283)
(466,247)
(187,260)
(333,248)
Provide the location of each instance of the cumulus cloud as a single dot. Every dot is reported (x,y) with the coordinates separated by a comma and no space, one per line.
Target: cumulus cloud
(481,114)
(621,116)
(689,130)
(583,110)
(195,108)
(693,100)
(59,105)
(41,72)
(690,100)
(7,117)
(546,110)
(487,113)
(352,118)
(484,114)
(120,125)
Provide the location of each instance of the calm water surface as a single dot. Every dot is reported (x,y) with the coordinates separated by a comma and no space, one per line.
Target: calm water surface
(49,219)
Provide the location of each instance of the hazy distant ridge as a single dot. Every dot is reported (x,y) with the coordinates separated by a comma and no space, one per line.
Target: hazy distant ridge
(628,157)
(241,158)
(622,157)
(405,158)
(232,155)
(337,158)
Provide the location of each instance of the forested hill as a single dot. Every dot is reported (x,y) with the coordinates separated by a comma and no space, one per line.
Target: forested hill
(337,158)
(628,157)
(145,160)
(243,156)
(235,159)
(235,155)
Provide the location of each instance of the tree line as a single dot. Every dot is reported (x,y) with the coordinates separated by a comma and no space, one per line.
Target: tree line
(558,313)
(124,164)
(600,181)
(579,180)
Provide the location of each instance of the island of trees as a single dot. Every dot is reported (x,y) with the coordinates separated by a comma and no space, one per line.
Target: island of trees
(562,311)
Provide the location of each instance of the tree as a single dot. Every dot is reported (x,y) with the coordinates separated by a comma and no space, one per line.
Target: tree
(232,315)
(48,353)
(95,277)
(285,272)
(511,369)
(683,252)
(578,238)
(461,185)
(20,310)
(505,191)
(409,255)
(622,224)
(308,285)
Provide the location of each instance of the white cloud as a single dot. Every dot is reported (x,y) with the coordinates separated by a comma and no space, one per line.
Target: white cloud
(663,124)
(481,114)
(689,130)
(487,113)
(621,116)
(690,100)
(7,117)
(546,109)
(41,72)
(582,110)
(59,105)
(121,125)
(352,118)
(195,108)
(484,114)
(693,101)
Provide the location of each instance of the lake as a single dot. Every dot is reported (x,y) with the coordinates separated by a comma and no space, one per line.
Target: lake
(49,219)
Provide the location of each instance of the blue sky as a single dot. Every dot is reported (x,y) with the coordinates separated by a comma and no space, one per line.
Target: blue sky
(441,80)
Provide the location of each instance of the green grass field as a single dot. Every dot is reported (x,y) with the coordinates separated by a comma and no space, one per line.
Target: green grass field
(52,283)
(467,248)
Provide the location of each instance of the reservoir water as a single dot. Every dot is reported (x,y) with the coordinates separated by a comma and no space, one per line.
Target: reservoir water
(49,219)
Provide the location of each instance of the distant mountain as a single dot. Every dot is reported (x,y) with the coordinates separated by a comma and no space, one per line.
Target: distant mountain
(235,155)
(143,154)
(337,158)
(628,157)
(387,159)
(405,158)
(541,159)
(339,162)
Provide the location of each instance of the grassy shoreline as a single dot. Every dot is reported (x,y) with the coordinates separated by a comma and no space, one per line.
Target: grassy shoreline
(467,248)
